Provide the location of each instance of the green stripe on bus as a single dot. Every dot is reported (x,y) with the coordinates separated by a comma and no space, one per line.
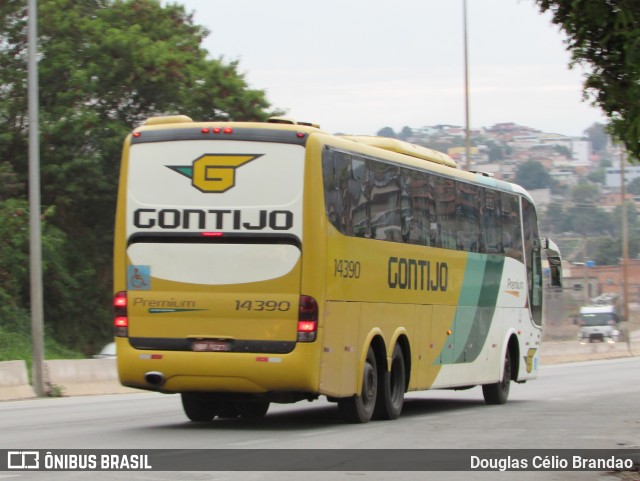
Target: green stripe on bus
(476,308)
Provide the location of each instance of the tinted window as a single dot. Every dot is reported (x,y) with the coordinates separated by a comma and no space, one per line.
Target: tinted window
(533,259)
(385,197)
(510,223)
(366,197)
(468,217)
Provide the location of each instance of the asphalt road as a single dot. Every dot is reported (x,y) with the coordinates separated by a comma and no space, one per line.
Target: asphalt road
(588,405)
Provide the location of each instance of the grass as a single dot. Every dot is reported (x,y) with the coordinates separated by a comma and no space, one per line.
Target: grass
(16,345)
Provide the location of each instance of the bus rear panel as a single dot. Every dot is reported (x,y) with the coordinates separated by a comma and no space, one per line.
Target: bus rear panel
(210,280)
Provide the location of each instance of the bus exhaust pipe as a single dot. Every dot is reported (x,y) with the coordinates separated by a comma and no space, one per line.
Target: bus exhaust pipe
(154,378)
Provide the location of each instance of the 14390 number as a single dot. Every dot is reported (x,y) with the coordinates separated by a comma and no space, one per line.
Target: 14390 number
(262,305)
(346,268)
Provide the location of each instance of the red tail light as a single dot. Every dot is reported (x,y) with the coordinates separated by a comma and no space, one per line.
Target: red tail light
(120,319)
(307,319)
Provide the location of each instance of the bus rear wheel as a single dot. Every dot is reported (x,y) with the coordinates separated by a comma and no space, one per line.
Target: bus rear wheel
(199,410)
(499,392)
(391,396)
(359,408)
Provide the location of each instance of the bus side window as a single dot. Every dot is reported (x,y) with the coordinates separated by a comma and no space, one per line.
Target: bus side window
(358,192)
(490,223)
(468,217)
(418,216)
(533,259)
(385,213)
(445,199)
(511,236)
(332,192)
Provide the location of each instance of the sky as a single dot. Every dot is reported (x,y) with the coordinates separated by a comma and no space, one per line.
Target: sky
(356,66)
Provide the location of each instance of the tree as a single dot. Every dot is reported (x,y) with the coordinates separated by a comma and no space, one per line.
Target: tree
(496,151)
(597,136)
(604,35)
(406,133)
(106,65)
(633,224)
(563,150)
(584,193)
(588,220)
(387,132)
(608,251)
(553,218)
(532,175)
(598,176)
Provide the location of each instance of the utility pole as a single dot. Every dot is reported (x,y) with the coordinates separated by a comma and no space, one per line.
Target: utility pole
(625,249)
(35,244)
(466,90)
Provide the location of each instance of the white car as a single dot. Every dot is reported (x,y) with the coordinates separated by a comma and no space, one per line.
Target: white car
(108,352)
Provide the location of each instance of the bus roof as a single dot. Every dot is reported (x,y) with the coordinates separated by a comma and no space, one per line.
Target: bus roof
(405,148)
(396,146)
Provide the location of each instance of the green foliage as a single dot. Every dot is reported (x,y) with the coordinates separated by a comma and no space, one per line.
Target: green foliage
(405,133)
(582,218)
(563,150)
(597,176)
(15,343)
(496,151)
(14,257)
(584,193)
(604,35)
(607,251)
(603,229)
(598,137)
(532,175)
(588,220)
(105,66)
(386,132)
(633,223)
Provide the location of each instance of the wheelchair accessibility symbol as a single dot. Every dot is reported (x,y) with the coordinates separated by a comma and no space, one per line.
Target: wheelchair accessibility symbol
(139,278)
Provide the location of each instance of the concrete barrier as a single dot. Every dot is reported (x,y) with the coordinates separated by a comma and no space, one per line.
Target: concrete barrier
(14,381)
(83,376)
(100,376)
(573,351)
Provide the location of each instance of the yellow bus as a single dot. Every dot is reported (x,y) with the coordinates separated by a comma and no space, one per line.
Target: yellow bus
(274,262)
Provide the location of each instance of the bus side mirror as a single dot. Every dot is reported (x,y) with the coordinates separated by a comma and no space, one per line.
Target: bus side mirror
(555,262)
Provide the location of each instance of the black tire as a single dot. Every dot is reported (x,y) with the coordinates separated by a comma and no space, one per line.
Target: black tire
(359,408)
(227,410)
(252,410)
(391,394)
(198,410)
(498,393)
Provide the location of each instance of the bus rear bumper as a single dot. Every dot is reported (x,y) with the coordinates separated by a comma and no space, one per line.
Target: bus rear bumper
(219,372)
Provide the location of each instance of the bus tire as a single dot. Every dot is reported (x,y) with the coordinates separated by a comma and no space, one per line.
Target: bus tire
(252,409)
(391,396)
(228,410)
(359,408)
(198,410)
(498,393)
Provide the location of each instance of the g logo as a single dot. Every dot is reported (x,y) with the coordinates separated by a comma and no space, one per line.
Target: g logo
(214,173)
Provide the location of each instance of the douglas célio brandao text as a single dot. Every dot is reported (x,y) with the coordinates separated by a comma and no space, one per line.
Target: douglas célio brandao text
(551,463)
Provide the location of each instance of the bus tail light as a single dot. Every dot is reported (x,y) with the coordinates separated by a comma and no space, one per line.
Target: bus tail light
(307,319)
(120,319)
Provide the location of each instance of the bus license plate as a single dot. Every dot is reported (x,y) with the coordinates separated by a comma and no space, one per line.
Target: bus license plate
(206,345)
